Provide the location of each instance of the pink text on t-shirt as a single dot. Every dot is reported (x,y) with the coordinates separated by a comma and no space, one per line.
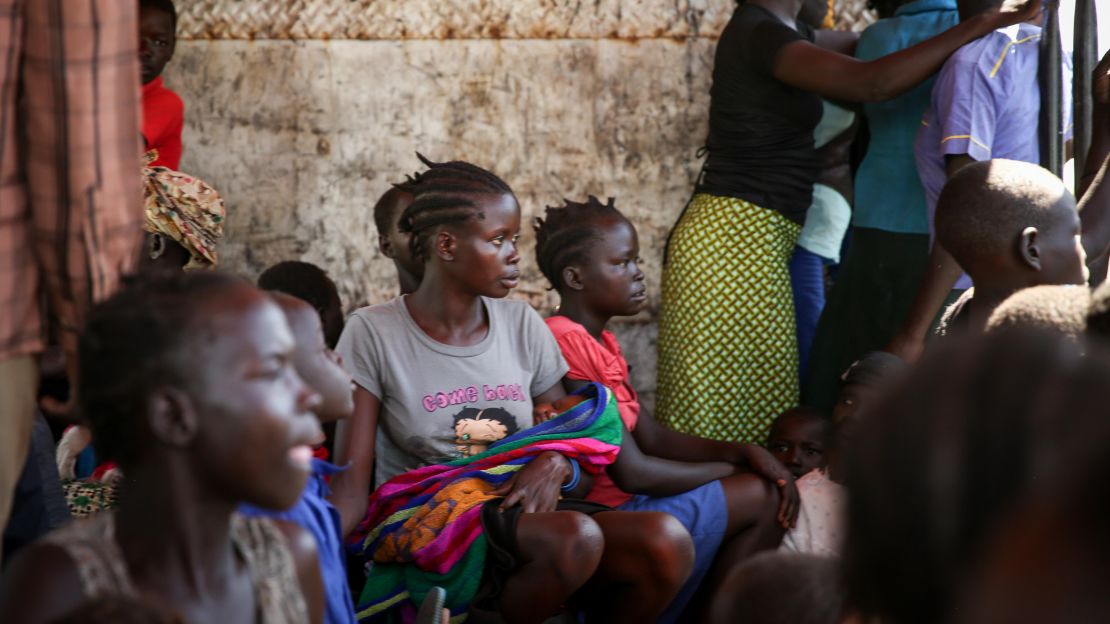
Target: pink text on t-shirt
(471,394)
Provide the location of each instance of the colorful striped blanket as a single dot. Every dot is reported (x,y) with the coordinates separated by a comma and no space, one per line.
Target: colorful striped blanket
(424,528)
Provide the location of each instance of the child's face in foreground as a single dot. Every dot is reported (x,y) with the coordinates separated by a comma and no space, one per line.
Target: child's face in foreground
(254,413)
(1063,259)
(157,40)
(485,256)
(611,279)
(798,441)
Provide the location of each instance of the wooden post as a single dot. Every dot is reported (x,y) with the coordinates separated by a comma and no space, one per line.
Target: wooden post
(1085,57)
(1051,82)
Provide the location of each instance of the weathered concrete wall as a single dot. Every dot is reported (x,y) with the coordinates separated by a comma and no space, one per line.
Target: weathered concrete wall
(470,19)
(451,19)
(302,137)
(303,112)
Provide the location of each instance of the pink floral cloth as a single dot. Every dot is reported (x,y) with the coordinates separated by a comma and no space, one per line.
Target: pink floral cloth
(820,526)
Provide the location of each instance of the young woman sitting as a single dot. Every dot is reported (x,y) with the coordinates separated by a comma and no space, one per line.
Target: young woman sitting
(453,368)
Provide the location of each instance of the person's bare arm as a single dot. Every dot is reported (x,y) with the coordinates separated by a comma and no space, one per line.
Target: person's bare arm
(940,277)
(659,441)
(637,473)
(1100,125)
(841,77)
(354,447)
(1094,212)
(1094,187)
(656,442)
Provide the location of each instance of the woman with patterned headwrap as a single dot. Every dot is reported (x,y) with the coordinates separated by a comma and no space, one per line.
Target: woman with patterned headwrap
(184,219)
(184,222)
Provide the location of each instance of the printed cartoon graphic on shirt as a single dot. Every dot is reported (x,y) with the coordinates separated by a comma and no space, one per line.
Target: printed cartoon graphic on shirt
(476,429)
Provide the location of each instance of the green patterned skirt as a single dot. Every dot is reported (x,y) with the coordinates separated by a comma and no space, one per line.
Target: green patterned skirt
(728,349)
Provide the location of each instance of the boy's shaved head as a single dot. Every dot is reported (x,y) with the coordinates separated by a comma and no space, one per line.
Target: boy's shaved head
(389,208)
(985,214)
(776,586)
(310,283)
(392,242)
(1060,309)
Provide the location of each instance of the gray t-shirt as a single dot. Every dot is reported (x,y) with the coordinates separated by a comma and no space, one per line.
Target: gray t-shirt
(441,402)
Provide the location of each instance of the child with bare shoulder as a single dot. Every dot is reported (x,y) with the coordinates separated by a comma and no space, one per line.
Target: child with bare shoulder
(188,382)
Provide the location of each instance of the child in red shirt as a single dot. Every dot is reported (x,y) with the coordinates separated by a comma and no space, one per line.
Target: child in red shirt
(589,252)
(163,111)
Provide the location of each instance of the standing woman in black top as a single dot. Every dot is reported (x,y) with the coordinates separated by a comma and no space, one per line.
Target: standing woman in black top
(728,356)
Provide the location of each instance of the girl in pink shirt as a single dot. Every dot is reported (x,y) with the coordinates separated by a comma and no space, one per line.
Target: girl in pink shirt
(589,252)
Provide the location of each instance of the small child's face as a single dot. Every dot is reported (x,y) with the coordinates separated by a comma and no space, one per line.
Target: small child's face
(799,442)
(611,276)
(157,41)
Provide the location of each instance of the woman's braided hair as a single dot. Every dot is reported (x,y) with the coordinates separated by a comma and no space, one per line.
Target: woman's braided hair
(564,234)
(444,194)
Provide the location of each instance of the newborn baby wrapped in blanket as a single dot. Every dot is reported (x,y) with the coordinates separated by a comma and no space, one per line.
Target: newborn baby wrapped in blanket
(426,527)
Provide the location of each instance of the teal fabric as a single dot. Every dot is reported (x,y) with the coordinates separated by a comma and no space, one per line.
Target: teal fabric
(889,195)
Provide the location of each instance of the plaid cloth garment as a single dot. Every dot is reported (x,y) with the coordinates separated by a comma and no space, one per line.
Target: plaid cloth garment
(70,202)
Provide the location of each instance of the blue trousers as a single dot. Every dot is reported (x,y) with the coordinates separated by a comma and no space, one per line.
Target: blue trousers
(807,277)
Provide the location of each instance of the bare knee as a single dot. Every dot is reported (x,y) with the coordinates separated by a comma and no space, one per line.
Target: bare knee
(570,544)
(653,547)
(750,499)
(583,546)
(671,549)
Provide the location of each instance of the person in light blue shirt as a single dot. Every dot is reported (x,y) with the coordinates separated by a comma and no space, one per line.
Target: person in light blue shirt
(889,239)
